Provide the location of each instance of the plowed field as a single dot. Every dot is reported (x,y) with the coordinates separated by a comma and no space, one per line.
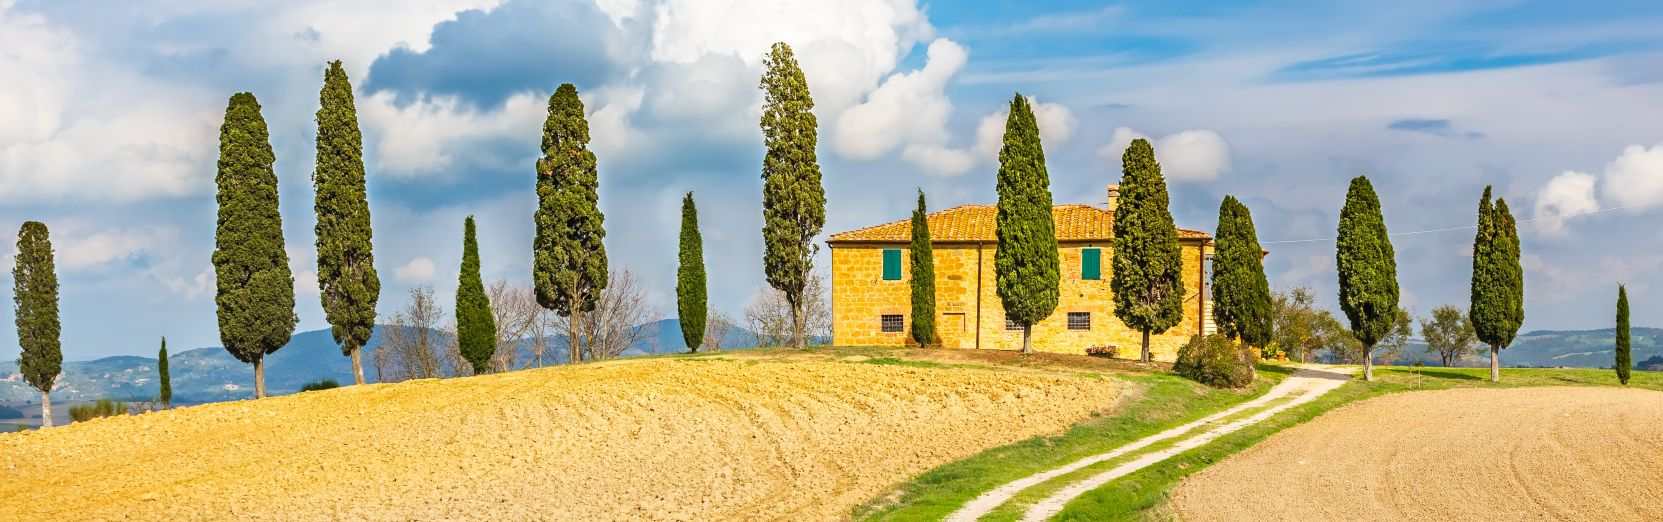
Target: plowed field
(715,438)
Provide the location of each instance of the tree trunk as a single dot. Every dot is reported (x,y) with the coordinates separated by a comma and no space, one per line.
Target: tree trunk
(574,337)
(45,409)
(357,365)
(1368,363)
(260,378)
(1027,338)
(1146,356)
(797,338)
(1495,364)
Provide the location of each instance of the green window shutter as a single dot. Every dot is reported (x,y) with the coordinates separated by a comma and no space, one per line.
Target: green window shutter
(1091,264)
(892,265)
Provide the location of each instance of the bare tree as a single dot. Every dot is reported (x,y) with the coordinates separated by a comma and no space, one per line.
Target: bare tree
(516,312)
(615,324)
(410,347)
(769,314)
(716,329)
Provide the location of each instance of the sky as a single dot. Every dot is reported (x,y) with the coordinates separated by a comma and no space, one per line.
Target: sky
(109,115)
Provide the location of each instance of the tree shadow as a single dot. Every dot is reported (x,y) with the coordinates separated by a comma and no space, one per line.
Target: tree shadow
(1446,374)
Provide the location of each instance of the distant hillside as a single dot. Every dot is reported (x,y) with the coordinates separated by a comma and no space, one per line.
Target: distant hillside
(1554,348)
(211,374)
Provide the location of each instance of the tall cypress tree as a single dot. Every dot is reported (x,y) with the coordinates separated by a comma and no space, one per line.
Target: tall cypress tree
(569,250)
(1497,307)
(690,278)
(35,307)
(255,290)
(793,201)
(1148,283)
(1241,294)
(347,281)
(476,328)
(1367,267)
(166,394)
(923,278)
(1624,356)
(1025,265)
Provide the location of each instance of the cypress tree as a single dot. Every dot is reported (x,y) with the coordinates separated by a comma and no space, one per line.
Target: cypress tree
(166,394)
(569,251)
(1367,268)
(690,278)
(1624,356)
(1497,307)
(255,290)
(793,201)
(347,281)
(1025,264)
(35,307)
(1148,282)
(1241,294)
(923,278)
(476,329)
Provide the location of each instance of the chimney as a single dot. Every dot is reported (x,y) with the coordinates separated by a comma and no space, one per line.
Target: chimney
(1114,197)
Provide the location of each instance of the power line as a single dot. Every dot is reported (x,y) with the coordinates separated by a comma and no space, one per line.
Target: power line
(1436,230)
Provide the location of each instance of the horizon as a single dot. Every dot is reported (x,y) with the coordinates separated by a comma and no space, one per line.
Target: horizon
(1279,106)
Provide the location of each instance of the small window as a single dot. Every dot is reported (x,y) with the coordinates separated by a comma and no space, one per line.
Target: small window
(892,264)
(1091,264)
(1012,325)
(892,323)
(1079,320)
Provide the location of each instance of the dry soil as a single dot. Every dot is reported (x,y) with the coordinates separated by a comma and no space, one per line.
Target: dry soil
(730,438)
(1468,454)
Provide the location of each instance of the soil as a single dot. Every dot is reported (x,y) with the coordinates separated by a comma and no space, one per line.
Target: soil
(1467,454)
(711,438)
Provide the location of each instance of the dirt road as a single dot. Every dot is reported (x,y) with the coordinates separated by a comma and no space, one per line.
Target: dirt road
(1469,454)
(665,439)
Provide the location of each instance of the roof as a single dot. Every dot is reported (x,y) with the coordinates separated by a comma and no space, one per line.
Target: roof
(971,223)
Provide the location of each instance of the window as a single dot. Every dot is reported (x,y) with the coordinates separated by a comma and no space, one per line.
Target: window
(1079,320)
(892,264)
(1012,325)
(1091,264)
(892,323)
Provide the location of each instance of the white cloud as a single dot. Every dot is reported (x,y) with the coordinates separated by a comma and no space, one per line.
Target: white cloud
(80,249)
(191,287)
(418,270)
(910,107)
(936,159)
(1056,126)
(1191,155)
(1566,196)
(428,135)
(1635,179)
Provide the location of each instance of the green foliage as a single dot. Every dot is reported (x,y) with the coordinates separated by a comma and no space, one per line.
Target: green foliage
(1497,309)
(347,281)
(1367,267)
(166,395)
(793,200)
(102,408)
(1025,263)
(1148,283)
(923,278)
(1241,294)
(320,384)
(1625,355)
(255,290)
(569,251)
(1215,360)
(691,305)
(1449,334)
(35,307)
(476,329)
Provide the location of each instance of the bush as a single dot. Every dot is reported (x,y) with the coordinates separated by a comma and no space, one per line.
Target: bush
(1216,361)
(1109,351)
(320,384)
(102,408)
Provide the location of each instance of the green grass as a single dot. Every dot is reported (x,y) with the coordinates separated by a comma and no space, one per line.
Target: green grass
(1143,495)
(1157,402)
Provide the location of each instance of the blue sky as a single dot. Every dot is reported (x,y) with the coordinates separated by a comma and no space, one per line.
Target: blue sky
(109,120)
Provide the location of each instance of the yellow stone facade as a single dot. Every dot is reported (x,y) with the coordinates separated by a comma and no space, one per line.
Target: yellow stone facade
(968,310)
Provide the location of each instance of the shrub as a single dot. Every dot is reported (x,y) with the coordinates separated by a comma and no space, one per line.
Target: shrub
(1108,351)
(102,408)
(1216,361)
(320,384)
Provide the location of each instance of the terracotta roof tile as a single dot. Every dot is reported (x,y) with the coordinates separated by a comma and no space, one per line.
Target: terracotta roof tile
(977,223)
